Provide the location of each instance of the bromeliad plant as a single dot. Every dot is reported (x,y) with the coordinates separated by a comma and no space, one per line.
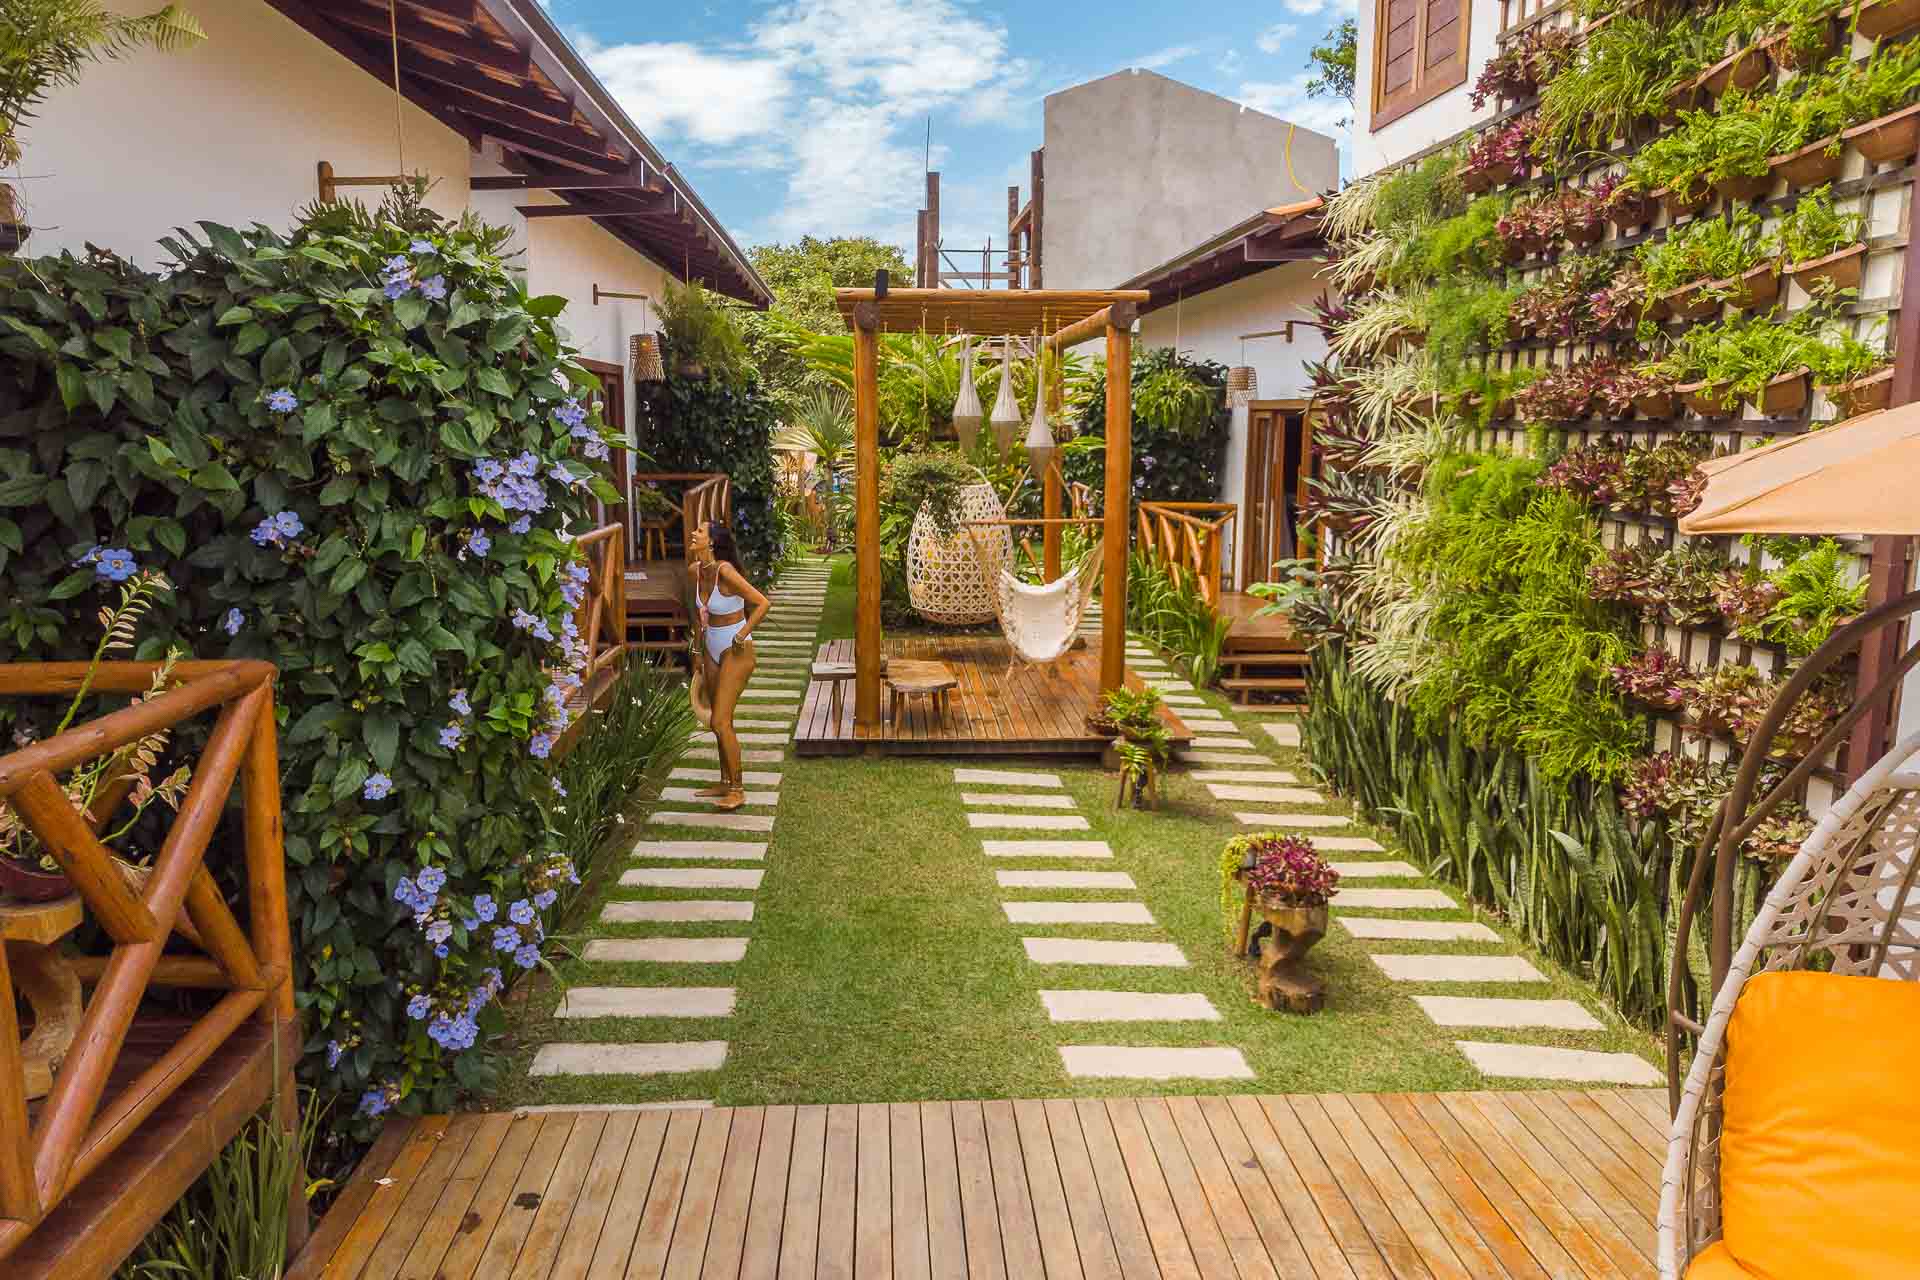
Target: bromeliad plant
(1284,871)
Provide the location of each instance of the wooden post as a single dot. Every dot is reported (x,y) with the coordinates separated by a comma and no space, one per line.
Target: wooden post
(866,530)
(1050,487)
(1119,494)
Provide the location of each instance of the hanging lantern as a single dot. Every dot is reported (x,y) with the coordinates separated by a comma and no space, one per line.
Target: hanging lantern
(967,416)
(1006,409)
(1040,433)
(644,355)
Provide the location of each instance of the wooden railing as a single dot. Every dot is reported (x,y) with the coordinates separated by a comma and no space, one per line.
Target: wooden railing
(602,621)
(79,1126)
(708,495)
(1190,536)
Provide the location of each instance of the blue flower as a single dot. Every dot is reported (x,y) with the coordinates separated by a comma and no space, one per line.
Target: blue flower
(334,1050)
(521,525)
(374,1101)
(484,907)
(545,898)
(488,469)
(434,288)
(450,736)
(478,542)
(441,951)
(92,556)
(396,289)
(527,957)
(288,523)
(458,702)
(524,620)
(557,788)
(521,912)
(571,413)
(439,930)
(398,264)
(232,623)
(418,246)
(506,938)
(378,786)
(282,401)
(540,746)
(524,465)
(470,923)
(419,1007)
(432,879)
(115,565)
(560,473)
(597,450)
(541,629)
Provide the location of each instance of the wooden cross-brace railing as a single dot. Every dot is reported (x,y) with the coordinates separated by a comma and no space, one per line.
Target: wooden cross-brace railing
(1188,536)
(79,1126)
(602,620)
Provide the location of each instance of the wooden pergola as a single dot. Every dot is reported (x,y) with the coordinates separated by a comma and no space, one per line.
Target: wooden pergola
(1065,318)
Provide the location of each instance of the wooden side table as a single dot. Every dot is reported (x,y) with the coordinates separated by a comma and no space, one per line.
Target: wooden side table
(836,676)
(909,678)
(32,963)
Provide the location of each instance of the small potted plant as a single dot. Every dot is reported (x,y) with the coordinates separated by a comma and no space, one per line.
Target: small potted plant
(1141,747)
(1290,884)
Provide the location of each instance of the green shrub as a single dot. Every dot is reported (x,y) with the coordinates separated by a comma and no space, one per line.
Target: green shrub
(345,447)
(713,424)
(1169,464)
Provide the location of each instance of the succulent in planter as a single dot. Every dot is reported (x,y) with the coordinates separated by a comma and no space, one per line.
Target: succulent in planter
(1525,64)
(1499,155)
(1654,678)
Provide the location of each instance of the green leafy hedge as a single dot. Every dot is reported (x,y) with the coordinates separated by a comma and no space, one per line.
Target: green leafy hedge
(354,451)
(715,424)
(1169,464)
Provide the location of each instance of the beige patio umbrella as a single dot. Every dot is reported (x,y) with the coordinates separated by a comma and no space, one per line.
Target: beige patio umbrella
(1861,476)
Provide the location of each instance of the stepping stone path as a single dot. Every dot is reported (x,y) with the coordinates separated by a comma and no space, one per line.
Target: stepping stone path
(994,800)
(661,896)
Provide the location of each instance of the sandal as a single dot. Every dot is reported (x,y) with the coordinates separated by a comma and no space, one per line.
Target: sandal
(733,800)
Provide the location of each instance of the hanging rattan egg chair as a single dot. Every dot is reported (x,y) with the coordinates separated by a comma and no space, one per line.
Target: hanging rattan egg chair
(943,573)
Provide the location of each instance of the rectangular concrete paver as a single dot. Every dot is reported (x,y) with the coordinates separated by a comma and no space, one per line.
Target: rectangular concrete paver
(1005,778)
(748,755)
(1417,930)
(1047,848)
(1286,733)
(690,878)
(752,777)
(1213,741)
(1459,968)
(1100,951)
(1064,880)
(725,850)
(1183,700)
(1544,1062)
(1027,822)
(685,795)
(1220,757)
(1012,801)
(762,739)
(1481,1011)
(1294,821)
(1128,1006)
(1394,899)
(683,912)
(1379,867)
(646,1002)
(628,1059)
(666,950)
(1194,714)
(718,821)
(1265,795)
(1243,775)
(1077,913)
(1348,844)
(1128,1062)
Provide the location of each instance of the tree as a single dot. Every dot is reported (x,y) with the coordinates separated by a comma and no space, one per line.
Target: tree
(803,276)
(1335,58)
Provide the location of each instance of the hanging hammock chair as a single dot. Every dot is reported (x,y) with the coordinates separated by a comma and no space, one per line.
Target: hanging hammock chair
(1040,622)
(943,575)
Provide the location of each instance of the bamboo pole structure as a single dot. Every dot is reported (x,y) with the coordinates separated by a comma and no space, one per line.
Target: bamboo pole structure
(1119,493)
(866,453)
(1050,488)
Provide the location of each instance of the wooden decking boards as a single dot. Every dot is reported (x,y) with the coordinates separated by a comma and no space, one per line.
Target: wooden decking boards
(1480,1185)
(996,710)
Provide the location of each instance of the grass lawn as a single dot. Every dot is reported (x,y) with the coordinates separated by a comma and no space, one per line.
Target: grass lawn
(882,967)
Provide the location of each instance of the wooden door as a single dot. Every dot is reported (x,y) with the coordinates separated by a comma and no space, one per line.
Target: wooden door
(1276,449)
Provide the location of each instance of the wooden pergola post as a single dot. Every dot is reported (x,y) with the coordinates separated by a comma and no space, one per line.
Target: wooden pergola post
(866,509)
(1050,488)
(1119,494)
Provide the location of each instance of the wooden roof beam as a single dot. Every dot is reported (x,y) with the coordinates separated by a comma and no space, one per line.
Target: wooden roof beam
(466,48)
(587,210)
(625,183)
(561,153)
(525,94)
(572,135)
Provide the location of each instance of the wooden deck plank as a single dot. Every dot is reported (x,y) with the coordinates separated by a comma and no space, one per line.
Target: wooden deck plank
(370,1223)
(1652,1104)
(693,1226)
(1630,1119)
(760,1253)
(1244,1239)
(1212,1251)
(986,1260)
(911,1259)
(946,1225)
(1092,1235)
(1051,1219)
(873,1194)
(800,1232)
(529,1189)
(436,1234)
(628,1206)
(1388,1236)
(1625,1163)
(648,1259)
(839,1186)
(1019,1233)
(1540,1227)
(1270,1217)
(727,1241)
(573,1256)
(1146,1184)
(1449,1243)
(1591,1167)
(421,1196)
(561,1199)
(1468,1193)
(1284,1182)
(1336,1210)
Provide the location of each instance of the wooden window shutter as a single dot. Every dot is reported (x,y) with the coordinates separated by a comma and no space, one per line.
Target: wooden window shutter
(1420,52)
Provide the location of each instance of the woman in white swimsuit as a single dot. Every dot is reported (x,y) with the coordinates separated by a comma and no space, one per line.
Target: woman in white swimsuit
(730,608)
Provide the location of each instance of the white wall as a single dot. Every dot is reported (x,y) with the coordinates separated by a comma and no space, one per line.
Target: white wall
(229,131)
(1208,327)
(1432,122)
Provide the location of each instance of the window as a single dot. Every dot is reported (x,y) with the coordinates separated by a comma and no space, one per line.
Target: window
(1419,52)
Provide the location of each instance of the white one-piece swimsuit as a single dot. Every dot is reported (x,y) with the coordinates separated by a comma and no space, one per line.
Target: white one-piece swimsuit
(720,639)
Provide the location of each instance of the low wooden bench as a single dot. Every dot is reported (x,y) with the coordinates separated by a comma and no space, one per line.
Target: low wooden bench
(836,676)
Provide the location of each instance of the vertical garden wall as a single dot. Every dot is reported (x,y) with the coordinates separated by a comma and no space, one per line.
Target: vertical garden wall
(1683,234)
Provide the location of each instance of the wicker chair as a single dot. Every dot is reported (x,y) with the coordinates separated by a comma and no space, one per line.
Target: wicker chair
(1845,903)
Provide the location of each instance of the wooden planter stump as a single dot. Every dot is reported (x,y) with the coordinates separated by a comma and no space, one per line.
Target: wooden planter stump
(1286,984)
(1842,269)
(46,980)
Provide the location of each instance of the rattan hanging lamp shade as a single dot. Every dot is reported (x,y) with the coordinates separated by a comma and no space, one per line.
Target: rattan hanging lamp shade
(644,355)
(1006,408)
(967,413)
(944,581)
(1040,431)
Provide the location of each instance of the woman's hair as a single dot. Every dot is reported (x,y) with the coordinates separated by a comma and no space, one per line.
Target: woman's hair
(724,547)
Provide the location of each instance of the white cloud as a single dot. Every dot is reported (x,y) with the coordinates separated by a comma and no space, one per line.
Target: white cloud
(679,89)
(1338,8)
(1275,37)
(1166,57)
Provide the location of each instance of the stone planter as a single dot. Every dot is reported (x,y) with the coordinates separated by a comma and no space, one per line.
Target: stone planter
(1880,18)
(1812,165)
(1742,70)
(1709,400)
(1841,269)
(1862,395)
(1683,205)
(1285,982)
(1890,138)
(1785,395)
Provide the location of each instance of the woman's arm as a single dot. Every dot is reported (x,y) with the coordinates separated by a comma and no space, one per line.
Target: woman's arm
(757,604)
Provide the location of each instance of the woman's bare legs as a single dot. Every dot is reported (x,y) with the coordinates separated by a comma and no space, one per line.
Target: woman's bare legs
(736,668)
(710,671)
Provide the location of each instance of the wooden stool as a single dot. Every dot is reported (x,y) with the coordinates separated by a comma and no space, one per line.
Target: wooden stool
(836,675)
(32,933)
(653,533)
(917,678)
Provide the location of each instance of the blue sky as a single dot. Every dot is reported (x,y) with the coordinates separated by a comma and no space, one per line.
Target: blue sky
(809,116)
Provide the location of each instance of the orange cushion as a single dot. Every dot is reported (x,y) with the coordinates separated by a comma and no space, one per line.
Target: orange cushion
(1820,1157)
(1717,1264)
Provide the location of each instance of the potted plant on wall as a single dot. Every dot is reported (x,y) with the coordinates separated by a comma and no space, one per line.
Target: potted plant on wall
(1290,884)
(699,334)
(1140,748)
(44,44)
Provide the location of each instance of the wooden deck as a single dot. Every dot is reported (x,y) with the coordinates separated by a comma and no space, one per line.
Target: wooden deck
(1469,1185)
(1262,655)
(1025,710)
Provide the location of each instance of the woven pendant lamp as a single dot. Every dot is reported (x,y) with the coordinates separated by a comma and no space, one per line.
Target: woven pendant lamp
(644,355)
(1040,431)
(1006,409)
(967,415)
